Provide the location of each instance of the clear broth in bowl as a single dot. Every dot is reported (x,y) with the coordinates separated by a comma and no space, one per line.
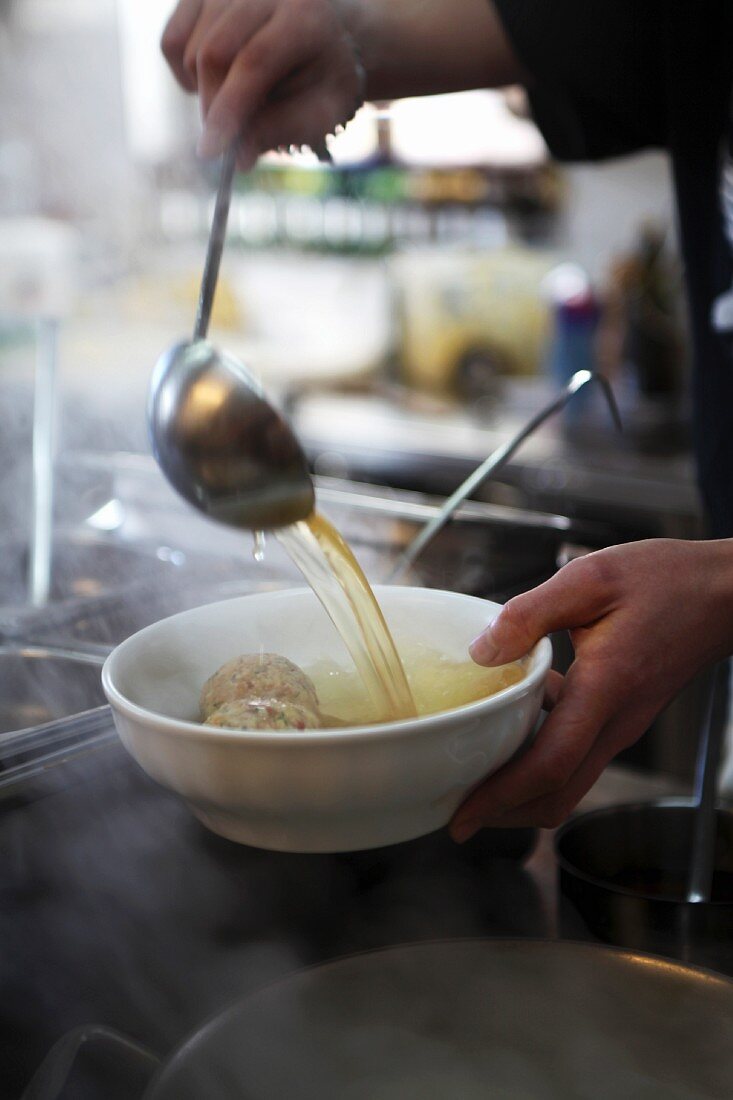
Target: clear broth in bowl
(437,683)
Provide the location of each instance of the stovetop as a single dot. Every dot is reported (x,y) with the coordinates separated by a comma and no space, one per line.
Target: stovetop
(119,909)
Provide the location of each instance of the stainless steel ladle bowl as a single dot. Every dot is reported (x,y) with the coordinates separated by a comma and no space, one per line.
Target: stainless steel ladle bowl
(215,436)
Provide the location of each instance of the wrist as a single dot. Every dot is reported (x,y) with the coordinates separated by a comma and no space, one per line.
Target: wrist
(368,27)
(719,584)
(423,47)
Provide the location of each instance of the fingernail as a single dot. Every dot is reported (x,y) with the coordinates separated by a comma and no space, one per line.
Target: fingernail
(484,649)
(464,830)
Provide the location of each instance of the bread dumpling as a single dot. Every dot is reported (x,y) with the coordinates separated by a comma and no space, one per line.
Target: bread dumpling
(258,676)
(263,714)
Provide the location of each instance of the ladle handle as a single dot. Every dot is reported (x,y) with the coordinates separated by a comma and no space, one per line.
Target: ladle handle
(52,1076)
(702,862)
(496,460)
(217,236)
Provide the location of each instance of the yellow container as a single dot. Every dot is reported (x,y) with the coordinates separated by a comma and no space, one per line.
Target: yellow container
(465,319)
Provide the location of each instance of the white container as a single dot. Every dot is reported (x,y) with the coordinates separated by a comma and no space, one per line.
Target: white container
(313,790)
(39,268)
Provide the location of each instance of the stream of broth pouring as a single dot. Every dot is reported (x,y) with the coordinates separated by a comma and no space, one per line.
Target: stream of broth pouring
(334,574)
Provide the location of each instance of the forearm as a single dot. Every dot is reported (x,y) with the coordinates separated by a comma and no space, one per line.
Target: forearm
(419,47)
(287,72)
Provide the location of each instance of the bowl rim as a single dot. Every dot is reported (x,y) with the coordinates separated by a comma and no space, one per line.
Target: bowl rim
(417,726)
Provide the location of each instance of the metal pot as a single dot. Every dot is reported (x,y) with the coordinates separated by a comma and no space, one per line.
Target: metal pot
(623,874)
(464,1018)
(550,1021)
(39,685)
(52,708)
(487,549)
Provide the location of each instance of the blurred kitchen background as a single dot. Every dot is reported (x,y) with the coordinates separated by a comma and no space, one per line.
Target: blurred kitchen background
(410,306)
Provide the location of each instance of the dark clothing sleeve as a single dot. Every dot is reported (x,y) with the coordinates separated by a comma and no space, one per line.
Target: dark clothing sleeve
(597,71)
(615,76)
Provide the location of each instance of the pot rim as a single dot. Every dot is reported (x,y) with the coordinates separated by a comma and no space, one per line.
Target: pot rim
(679,802)
(199,1035)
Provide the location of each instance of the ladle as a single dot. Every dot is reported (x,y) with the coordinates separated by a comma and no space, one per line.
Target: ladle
(496,460)
(215,436)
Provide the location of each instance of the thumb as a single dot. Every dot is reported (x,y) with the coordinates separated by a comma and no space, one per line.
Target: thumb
(579,594)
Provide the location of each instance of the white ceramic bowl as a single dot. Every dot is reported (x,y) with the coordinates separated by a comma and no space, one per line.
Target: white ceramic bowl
(315,790)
